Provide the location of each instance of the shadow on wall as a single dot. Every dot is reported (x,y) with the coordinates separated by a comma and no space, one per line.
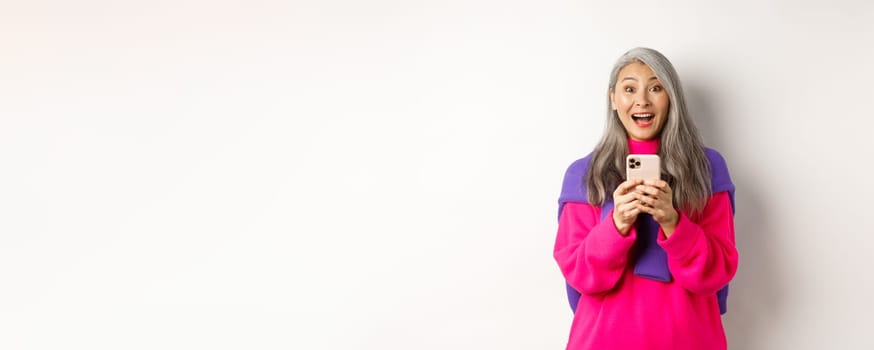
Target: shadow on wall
(754,301)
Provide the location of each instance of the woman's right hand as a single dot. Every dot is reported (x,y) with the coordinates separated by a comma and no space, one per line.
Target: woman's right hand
(625,206)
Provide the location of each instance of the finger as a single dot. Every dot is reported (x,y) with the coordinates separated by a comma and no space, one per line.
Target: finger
(620,191)
(648,190)
(646,210)
(625,207)
(659,190)
(659,215)
(661,184)
(646,200)
(633,213)
(630,209)
(625,186)
(661,211)
(665,188)
(660,203)
(619,199)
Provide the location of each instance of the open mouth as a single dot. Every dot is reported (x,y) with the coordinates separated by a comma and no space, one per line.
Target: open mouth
(643,119)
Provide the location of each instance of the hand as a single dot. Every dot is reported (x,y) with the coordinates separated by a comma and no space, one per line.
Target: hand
(656,199)
(626,205)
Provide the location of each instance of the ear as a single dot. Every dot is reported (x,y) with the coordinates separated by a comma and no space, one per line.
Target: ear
(612,101)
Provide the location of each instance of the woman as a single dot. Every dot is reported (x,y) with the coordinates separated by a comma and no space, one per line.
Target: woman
(647,262)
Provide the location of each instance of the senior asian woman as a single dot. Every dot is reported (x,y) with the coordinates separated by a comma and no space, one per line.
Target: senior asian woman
(647,262)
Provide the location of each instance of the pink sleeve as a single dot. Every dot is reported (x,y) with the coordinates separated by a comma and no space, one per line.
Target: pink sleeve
(702,256)
(592,255)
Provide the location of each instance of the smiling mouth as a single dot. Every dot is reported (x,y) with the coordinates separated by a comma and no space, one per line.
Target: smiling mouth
(643,119)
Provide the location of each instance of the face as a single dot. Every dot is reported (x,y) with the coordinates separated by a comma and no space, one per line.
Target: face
(640,101)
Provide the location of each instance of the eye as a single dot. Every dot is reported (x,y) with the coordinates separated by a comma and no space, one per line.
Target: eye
(656,88)
(629,89)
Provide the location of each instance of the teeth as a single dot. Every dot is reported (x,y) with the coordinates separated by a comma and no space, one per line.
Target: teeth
(642,115)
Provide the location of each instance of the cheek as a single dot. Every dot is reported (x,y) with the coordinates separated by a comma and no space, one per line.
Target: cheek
(664,103)
(622,101)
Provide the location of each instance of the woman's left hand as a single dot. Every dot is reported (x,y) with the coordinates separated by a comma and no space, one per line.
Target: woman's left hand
(656,199)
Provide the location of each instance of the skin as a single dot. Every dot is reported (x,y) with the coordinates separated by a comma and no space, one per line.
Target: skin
(638,90)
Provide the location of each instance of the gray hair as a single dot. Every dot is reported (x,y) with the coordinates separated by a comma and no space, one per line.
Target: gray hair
(684,162)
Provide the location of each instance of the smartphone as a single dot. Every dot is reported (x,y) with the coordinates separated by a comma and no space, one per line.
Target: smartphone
(643,166)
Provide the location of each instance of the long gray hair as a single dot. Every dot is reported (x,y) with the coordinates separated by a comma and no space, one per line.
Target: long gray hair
(684,163)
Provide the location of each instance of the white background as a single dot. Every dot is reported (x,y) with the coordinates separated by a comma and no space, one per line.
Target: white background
(384,174)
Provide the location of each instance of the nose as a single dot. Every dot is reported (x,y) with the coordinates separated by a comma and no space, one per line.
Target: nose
(642,98)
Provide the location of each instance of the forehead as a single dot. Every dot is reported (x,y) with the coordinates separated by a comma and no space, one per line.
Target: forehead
(637,71)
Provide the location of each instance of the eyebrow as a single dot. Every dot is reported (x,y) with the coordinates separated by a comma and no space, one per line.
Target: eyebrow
(635,79)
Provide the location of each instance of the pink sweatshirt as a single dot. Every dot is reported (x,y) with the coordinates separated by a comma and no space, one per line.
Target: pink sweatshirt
(620,310)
